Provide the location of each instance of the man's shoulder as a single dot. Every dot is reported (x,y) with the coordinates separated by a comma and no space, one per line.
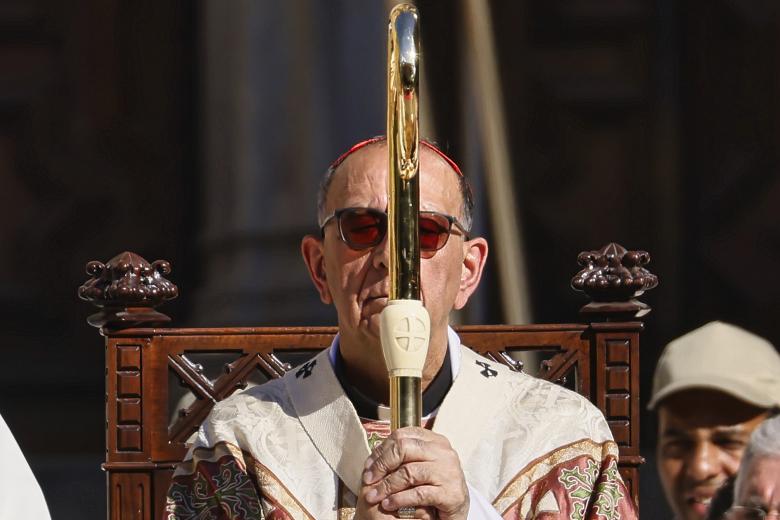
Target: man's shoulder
(533,399)
(255,398)
(231,418)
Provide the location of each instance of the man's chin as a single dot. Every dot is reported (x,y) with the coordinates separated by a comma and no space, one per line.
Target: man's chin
(696,510)
(369,328)
(372,328)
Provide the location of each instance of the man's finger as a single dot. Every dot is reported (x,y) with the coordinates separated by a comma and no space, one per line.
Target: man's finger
(408,475)
(410,432)
(391,454)
(429,497)
(420,496)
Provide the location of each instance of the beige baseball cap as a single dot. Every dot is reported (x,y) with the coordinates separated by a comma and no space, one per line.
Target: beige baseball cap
(722,357)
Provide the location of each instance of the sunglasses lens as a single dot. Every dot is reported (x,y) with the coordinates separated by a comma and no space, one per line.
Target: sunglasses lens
(361,228)
(434,232)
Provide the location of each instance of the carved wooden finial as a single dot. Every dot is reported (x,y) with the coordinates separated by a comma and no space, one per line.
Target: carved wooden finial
(613,278)
(127,288)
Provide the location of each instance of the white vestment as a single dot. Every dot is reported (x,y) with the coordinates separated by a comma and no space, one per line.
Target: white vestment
(20,494)
(295,448)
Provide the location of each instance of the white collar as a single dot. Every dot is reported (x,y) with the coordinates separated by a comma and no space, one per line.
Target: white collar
(453,345)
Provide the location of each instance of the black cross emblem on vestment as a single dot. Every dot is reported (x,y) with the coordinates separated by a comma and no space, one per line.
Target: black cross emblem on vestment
(487,372)
(305,370)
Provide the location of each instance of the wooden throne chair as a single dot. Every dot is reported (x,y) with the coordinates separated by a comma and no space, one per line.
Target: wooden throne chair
(161,381)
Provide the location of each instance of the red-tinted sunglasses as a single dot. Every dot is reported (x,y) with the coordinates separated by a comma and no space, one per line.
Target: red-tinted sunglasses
(362,228)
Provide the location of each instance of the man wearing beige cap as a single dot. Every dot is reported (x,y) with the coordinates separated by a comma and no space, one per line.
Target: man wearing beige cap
(712,387)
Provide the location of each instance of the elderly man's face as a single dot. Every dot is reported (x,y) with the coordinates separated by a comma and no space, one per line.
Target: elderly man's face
(702,435)
(357,282)
(760,487)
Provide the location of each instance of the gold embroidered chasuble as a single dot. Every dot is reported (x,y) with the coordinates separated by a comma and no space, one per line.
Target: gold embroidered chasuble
(294,448)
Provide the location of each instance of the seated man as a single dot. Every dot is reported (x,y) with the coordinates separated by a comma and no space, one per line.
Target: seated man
(316,443)
(757,488)
(712,388)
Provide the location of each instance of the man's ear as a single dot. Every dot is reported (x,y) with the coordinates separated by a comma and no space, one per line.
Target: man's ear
(313,255)
(476,252)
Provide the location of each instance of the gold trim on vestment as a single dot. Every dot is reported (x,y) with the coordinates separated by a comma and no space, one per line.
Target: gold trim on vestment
(267,480)
(210,454)
(541,467)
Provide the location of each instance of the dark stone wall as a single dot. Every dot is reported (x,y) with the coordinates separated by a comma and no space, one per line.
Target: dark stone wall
(97,119)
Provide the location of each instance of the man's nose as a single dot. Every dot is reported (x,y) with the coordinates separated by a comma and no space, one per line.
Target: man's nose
(704,462)
(380,256)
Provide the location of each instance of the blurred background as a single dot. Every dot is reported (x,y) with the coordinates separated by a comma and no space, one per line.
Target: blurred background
(196,132)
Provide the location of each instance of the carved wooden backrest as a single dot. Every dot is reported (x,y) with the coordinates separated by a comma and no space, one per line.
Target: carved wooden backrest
(162,382)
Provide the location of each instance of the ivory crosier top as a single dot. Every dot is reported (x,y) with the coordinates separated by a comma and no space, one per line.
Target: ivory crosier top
(294,448)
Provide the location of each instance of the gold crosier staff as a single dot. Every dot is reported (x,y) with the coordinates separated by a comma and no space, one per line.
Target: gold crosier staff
(404,325)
